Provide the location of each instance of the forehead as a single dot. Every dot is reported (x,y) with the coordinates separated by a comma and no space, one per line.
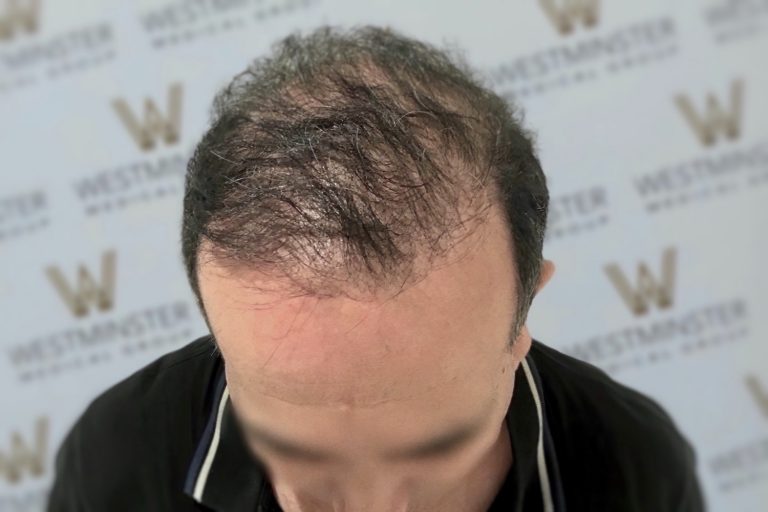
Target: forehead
(440,336)
(320,353)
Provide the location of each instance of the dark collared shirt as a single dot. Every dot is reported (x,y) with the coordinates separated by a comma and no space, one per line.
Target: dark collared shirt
(165,439)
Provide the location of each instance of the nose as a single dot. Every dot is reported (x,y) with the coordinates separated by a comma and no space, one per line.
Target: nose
(376,493)
(371,499)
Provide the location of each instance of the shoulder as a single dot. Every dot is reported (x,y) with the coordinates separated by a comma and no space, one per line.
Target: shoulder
(142,428)
(617,447)
(178,376)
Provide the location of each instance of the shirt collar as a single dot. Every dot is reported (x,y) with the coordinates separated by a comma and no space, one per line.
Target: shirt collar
(225,477)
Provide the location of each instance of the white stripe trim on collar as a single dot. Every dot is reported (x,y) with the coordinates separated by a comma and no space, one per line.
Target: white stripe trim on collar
(546,492)
(205,469)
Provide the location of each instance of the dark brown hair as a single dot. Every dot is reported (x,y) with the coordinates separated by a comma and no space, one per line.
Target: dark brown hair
(346,156)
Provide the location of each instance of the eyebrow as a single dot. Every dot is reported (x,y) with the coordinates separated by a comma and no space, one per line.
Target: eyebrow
(437,445)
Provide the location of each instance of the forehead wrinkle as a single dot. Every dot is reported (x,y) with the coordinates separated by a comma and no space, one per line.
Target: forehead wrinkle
(353,403)
(460,428)
(354,398)
(346,395)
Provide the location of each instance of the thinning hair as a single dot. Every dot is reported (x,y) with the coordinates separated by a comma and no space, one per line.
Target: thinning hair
(352,159)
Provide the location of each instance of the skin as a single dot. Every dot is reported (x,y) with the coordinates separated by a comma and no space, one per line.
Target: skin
(362,379)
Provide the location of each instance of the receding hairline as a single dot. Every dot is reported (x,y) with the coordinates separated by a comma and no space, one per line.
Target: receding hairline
(290,282)
(431,73)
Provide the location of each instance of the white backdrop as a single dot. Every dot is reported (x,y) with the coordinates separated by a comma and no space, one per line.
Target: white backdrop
(652,122)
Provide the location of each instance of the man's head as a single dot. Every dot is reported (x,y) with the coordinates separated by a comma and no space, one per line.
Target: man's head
(363,225)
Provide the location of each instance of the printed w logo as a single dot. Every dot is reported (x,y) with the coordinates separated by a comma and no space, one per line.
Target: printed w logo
(154,125)
(23,14)
(565,13)
(88,290)
(715,119)
(23,457)
(648,289)
(759,393)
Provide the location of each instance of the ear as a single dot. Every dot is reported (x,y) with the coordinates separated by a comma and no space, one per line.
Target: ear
(522,344)
(547,270)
